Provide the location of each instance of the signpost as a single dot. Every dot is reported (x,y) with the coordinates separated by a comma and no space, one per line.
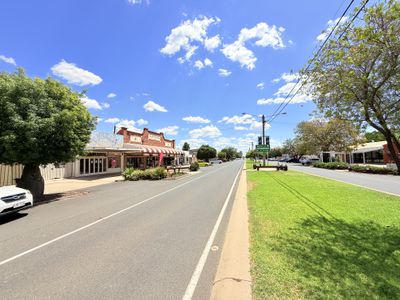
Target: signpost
(263,148)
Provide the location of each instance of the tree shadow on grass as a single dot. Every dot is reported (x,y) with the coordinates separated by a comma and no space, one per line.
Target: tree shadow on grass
(336,259)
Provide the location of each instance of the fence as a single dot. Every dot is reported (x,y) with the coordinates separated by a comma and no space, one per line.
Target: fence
(9,173)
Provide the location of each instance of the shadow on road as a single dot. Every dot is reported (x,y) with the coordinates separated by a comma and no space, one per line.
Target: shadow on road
(358,260)
(12,217)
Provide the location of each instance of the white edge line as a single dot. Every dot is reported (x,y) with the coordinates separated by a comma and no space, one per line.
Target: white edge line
(203,258)
(101,220)
(354,184)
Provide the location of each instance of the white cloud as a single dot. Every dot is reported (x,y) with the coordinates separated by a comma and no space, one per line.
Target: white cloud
(142,122)
(287,77)
(183,36)
(331,23)
(105,105)
(260,85)
(152,106)
(212,43)
(208,62)
(133,2)
(75,75)
(169,130)
(242,120)
(192,119)
(91,103)
(209,131)
(199,64)
(265,35)
(240,128)
(224,72)
(129,124)
(112,120)
(8,60)
(111,95)
(282,95)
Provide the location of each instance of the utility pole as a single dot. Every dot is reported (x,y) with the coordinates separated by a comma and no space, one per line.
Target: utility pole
(263,136)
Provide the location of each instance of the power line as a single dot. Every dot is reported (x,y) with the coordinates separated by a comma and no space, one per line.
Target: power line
(283,105)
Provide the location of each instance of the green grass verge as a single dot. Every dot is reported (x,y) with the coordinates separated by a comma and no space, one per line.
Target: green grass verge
(313,238)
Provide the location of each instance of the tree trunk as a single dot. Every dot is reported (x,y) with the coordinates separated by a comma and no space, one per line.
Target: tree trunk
(32,180)
(393,149)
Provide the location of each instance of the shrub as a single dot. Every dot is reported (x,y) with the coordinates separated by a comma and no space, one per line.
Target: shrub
(159,173)
(194,166)
(372,170)
(331,165)
(149,174)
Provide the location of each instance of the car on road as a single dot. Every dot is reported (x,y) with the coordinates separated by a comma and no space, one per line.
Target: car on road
(215,161)
(13,199)
(306,161)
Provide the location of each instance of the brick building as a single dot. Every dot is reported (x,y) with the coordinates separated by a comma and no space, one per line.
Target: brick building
(146,149)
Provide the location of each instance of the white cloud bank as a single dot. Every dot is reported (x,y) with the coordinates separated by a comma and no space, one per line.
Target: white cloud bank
(169,130)
(192,119)
(286,91)
(265,35)
(209,131)
(75,75)
(152,106)
(187,35)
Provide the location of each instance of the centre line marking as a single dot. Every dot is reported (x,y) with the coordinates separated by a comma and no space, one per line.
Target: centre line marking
(102,219)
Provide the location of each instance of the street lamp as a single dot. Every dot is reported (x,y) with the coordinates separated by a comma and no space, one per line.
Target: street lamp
(263,126)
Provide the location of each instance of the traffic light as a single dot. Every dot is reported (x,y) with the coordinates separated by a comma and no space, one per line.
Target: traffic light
(260,140)
(267,140)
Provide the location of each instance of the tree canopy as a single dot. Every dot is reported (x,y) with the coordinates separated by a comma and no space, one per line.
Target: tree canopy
(357,77)
(41,121)
(186,146)
(206,152)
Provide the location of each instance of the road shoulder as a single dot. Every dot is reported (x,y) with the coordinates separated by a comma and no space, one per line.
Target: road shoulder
(233,280)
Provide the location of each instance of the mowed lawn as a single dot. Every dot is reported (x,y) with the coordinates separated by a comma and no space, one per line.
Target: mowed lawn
(313,238)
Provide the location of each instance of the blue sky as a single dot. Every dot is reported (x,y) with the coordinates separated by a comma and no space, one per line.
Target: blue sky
(190,68)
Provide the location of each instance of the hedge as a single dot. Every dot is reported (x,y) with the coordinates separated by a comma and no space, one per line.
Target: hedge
(149,174)
(332,165)
(372,170)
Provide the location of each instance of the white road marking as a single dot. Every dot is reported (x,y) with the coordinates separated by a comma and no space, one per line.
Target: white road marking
(102,219)
(203,258)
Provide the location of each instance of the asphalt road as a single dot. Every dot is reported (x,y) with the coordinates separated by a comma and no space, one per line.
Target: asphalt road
(125,240)
(385,183)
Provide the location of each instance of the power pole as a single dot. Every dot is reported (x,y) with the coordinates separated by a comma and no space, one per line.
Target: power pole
(263,136)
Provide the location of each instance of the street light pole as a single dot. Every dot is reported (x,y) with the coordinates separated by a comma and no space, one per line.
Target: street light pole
(263,136)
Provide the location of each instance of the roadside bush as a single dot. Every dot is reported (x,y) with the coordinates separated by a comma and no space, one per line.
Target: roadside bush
(331,165)
(194,166)
(372,170)
(149,174)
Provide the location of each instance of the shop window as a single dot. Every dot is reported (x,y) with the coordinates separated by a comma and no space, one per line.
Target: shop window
(114,162)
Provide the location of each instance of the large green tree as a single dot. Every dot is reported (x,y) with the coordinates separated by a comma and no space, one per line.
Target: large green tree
(357,76)
(326,135)
(41,122)
(206,152)
(231,153)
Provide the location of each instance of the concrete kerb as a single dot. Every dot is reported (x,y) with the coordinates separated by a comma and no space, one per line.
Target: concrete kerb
(233,280)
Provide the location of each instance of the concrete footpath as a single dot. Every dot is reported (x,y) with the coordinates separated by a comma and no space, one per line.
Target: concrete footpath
(58,186)
(233,280)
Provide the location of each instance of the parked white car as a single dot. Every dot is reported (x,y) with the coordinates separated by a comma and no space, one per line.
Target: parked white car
(308,160)
(13,199)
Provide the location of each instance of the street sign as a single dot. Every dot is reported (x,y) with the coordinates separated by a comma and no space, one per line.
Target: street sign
(262,148)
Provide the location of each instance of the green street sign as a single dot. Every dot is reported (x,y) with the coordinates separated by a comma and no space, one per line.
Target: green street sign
(263,148)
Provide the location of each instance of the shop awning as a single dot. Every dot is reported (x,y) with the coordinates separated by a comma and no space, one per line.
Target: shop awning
(154,149)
